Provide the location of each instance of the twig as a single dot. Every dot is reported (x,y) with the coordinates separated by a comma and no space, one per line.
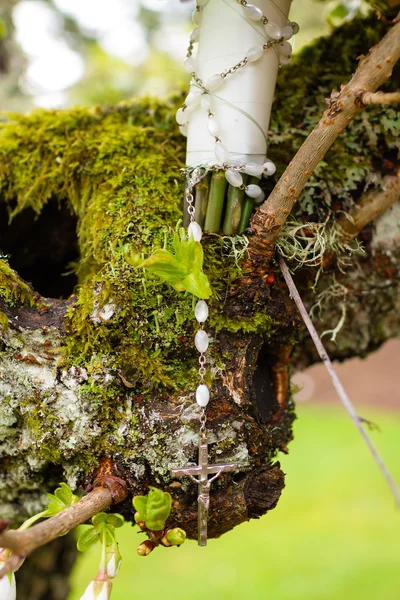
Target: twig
(335,379)
(372,204)
(22,543)
(379,97)
(373,71)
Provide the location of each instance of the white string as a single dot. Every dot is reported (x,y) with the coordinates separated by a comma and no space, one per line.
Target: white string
(294,294)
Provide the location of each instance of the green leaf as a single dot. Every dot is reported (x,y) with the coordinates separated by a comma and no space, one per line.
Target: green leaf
(61,499)
(158,508)
(87,539)
(115,520)
(101,517)
(182,270)
(140,504)
(111,519)
(163,264)
(197,284)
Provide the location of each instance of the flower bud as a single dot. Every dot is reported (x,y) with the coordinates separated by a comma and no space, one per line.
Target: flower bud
(139,521)
(7,586)
(7,583)
(140,505)
(174,537)
(98,590)
(113,560)
(145,548)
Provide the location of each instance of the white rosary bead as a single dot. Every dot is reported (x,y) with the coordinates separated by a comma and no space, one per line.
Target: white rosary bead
(253,190)
(295,27)
(234,177)
(193,98)
(189,64)
(253,169)
(214,83)
(253,12)
(195,231)
(213,127)
(221,153)
(202,395)
(184,130)
(269,167)
(197,16)
(284,60)
(287,32)
(195,34)
(201,311)
(182,116)
(254,53)
(206,101)
(201,340)
(260,199)
(285,49)
(273,31)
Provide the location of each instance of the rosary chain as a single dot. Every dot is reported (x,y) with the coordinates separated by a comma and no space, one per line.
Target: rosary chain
(235,68)
(203,425)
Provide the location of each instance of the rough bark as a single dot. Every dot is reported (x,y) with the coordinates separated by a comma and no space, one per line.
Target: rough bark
(111,371)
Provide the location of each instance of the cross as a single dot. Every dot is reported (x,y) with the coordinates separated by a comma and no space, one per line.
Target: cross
(199,474)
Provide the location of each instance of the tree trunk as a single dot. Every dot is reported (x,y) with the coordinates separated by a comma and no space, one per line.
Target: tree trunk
(111,370)
(45,573)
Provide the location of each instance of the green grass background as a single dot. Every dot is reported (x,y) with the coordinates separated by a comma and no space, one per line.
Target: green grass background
(335,534)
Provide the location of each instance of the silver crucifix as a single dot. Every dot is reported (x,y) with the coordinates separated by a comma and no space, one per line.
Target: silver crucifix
(199,474)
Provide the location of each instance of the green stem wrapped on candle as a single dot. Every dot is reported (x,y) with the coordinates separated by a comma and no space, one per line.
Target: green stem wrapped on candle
(247,208)
(234,209)
(216,201)
(201,200)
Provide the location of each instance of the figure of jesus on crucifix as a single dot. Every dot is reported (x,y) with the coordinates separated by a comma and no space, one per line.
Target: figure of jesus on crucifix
(199,474)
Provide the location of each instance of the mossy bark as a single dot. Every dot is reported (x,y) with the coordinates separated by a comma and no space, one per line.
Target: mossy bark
(112,370)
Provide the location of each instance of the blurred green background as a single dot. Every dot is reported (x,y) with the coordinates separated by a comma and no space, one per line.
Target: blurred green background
(335,534)
(55,53)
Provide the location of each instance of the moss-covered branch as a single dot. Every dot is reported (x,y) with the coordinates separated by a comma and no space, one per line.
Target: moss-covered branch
(112,371)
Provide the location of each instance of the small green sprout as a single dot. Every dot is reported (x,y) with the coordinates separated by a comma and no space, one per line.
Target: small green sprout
(152,512)
(102,531)
(103,525)
(61,499)
(182,269)
(174,537)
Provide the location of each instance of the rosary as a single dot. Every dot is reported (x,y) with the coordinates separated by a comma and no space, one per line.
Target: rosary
(227,136)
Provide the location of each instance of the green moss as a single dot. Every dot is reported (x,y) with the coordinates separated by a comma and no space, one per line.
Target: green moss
(13,290)
(261,322)
(3,321)
(102,162)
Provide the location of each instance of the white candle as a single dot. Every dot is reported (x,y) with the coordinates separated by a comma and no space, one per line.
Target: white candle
(226,36)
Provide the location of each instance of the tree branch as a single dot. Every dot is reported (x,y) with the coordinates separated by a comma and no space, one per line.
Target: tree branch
(109,490)
(373,71)
(379,98)
(372,204)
